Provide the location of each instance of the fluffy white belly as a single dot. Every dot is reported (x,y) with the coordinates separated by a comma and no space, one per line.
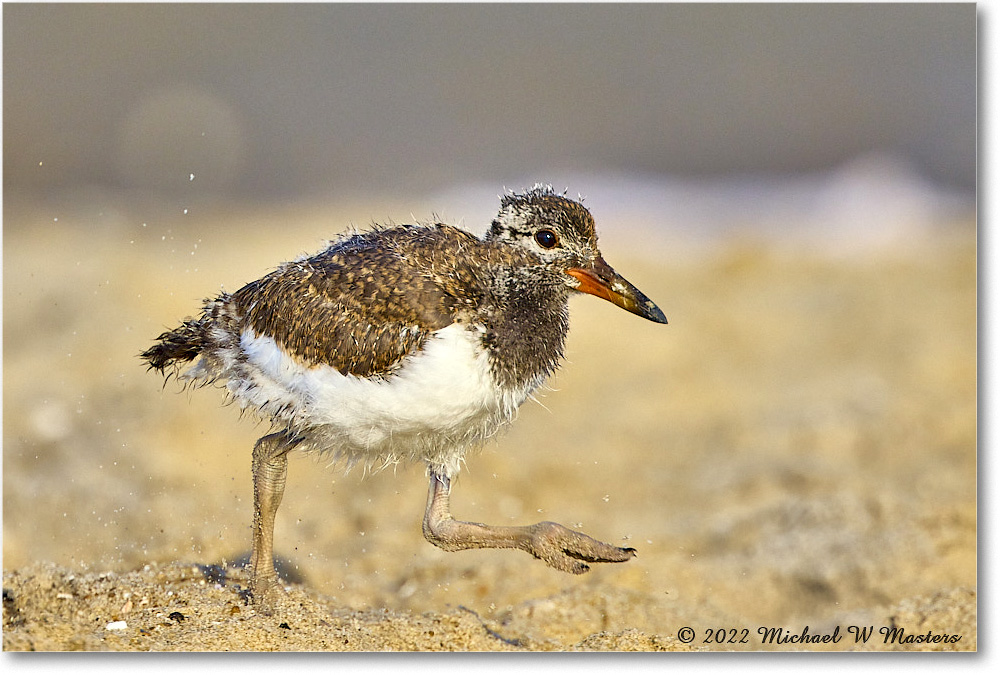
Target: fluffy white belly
(437,404)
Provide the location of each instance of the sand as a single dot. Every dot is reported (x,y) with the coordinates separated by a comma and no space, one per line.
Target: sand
(795,451)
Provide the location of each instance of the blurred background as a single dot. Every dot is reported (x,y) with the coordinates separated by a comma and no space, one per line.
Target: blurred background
(280,102)
(794,185)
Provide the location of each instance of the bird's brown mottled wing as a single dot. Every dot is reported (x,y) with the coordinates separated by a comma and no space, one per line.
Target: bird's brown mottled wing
(359,306)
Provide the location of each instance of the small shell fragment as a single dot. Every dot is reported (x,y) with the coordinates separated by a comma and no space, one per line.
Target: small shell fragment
(116,625)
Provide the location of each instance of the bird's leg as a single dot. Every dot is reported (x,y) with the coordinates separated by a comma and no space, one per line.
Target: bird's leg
(557,546)
(270,466)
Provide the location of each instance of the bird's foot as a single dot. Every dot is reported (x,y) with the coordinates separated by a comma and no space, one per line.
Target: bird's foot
(266,595)
(569,550)
(558,546)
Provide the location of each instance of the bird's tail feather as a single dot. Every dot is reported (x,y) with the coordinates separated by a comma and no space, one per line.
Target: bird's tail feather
(178,346)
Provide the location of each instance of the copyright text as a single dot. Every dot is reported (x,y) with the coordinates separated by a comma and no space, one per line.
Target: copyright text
(764,635)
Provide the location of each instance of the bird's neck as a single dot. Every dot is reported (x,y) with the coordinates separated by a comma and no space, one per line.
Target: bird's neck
(526,321)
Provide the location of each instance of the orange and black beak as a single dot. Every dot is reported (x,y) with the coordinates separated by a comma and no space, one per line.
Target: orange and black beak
(601,280)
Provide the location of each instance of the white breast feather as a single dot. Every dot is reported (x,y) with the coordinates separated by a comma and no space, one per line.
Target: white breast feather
(439,403)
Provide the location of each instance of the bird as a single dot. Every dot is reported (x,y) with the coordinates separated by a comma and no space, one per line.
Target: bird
(405,343)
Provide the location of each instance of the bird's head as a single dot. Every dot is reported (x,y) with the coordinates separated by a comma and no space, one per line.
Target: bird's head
(560,232)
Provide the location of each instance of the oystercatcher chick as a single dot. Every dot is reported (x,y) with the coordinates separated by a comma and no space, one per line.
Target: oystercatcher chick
(408,343)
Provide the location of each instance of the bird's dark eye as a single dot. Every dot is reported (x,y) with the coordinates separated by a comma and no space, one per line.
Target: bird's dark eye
(546,238)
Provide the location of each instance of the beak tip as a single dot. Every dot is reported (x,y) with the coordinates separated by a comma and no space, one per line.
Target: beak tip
(653,313)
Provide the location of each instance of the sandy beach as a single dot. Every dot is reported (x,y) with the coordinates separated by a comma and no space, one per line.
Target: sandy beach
(793,456)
